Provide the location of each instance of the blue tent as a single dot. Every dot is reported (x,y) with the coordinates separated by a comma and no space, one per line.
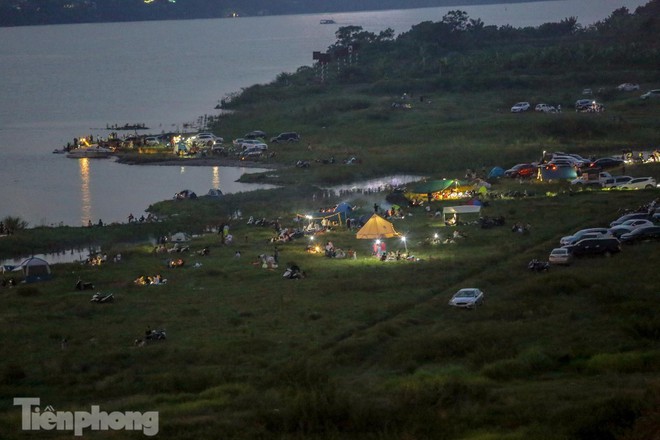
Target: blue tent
(344,210)
(496,172)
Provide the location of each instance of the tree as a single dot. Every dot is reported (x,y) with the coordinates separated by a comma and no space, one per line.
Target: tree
(13,224)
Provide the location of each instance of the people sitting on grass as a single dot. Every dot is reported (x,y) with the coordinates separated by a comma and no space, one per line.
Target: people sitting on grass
(330,249)
(293,272)
(177,262)
(145,280)
(520,228)
(178,248)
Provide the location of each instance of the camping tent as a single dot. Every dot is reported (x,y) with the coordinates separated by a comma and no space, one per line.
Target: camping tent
(35,269)
(377,227)
(439,189)
(338,213)
(496,172)
(457,210)
(179,237)
(214,192)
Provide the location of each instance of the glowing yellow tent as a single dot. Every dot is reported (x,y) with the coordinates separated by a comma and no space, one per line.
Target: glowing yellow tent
(377,227)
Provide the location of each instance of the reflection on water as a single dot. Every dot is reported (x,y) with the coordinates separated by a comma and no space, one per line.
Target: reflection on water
(86,197)
(215,183)
(67,256)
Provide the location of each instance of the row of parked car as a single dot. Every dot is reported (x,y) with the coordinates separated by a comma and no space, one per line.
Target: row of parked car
(629,228)
(560,159)
(583,105)
(253,144)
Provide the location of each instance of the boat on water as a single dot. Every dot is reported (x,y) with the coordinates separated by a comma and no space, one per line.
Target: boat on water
(91,152)
(328,21)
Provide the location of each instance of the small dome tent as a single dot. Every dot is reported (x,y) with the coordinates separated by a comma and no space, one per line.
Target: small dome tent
(496,172)
(35,269)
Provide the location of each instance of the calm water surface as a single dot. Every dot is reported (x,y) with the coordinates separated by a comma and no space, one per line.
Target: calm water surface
(66,81)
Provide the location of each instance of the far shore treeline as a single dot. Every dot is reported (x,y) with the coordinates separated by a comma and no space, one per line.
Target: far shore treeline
(40,12)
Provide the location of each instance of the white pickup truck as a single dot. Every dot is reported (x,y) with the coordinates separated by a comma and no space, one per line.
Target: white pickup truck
(593,178)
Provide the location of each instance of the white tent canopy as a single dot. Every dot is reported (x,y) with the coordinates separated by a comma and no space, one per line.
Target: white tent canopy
(463,209)
(450,213)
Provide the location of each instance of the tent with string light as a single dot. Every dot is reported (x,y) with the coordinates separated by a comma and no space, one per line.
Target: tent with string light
(377,228)
(336,214)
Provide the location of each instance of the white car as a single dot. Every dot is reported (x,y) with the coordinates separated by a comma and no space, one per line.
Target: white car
(639,183)
(630,216)
(545,108)
(151,141)
(627,87)
(520,107)
(560,256)
(208,139)
(635,223)
(254,144)
(615,181)
(468,298)
(651,94)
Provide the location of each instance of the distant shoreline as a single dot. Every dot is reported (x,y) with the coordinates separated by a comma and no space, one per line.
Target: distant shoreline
(199,162)
(35,13)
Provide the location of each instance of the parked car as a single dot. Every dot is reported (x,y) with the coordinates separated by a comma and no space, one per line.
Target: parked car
(606,163)
(255,134)
(254,144)
(619,230)
(641,234)
(220,150)
(592,177)
(251,153)
(568,239)
(468,298)
(627,87)
(595,246)
(560,256)
(639,183)
(523,170)
(630,216)
(286,137)
(151,141)
(520,107)
(580,237)
(615,181)
(651,94)
(545,108)
(237,142)
(635,223)
(208,139)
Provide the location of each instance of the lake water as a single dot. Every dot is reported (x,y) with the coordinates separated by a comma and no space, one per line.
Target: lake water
(66,81)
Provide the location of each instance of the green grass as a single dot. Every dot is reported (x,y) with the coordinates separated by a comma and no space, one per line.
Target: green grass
(360,348)
(363,349)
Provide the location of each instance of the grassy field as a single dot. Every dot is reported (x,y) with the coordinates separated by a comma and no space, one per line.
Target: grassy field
(446,133)
(359,348)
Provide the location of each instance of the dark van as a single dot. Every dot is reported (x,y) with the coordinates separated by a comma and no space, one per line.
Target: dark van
(595,246)
(286,137)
